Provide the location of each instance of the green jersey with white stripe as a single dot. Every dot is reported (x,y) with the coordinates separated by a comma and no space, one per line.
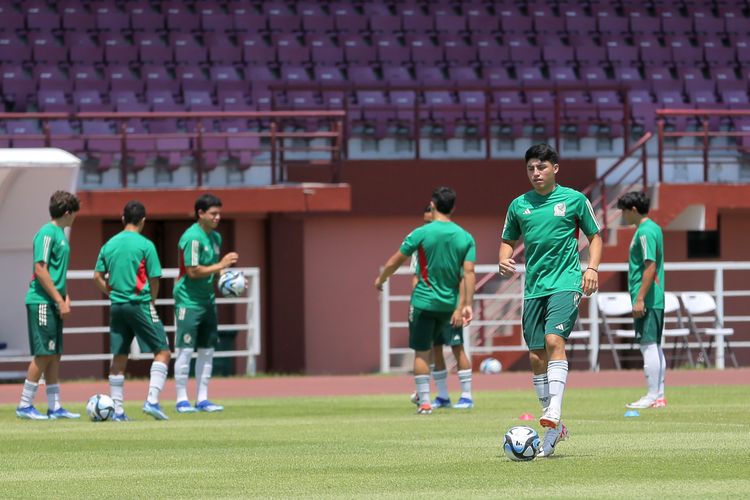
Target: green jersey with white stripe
(549,225)
(51,247)
(196,248)
(131,260)
(647,245)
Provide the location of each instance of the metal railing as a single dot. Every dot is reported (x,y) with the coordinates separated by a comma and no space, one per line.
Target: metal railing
(481,335)
(250,325)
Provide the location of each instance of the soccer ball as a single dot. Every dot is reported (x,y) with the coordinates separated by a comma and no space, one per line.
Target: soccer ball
(490,365)
(232,284)
(521,443)
(100,408)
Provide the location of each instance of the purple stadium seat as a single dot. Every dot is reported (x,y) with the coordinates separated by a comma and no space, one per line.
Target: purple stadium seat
(593,75)
(397,75)
(303,100)
(187,50)
(703,99)
(199,100)
(213,19)
(83,50)
(530,76)
(545,22)
(446,21)
(109,18)
(716,54)
(163,126)
(158,78)
(333,99)
(227,78)
(143,17)
(245,149)
(89,100)
(194,78)
(735,23)
(328,75)
(414,20)
(456,51)
(642,23)
(498,77)
(180,18)
(490,53)
(683,52)
(558,55)
(512,20)
(562,75)
(642,108)
(523,53)
(609,23)
(423,51)
(741,45)
(362,75)
(356,51)
(51,101)
(726,79)
(246,19)
(255,51)
(465,75)
(323,51)
(51,77)
(13,20)
(28,128)
(152,50)
(221,50)
(651,53)
(46,49)
(123,78)
(705,23)
(232,100)
(383,22)
(693,79)
(674,24)
(17,85)
(473,103)
(608,107)
(281,20)
(578,111)
(631,78)
(290,51)
(734,98)
(74,16)
(64,137)
(314,19)
(171,151)
(591,55)
(390,50)
(404,101)
(576,22)
(347,19)
(620,54)
(40,17)
(479,21)
(162,100)
(117,50)
(430,76)
(259,74)
(123,98)
(660,79)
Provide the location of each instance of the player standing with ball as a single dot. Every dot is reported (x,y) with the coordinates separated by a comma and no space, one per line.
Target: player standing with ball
(195,302)
(549,217)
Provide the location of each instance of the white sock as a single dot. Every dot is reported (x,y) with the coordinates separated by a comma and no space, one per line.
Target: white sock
(541,386)
(204,365)
(28,393)
(663,364)
(423,388)
(117,392)
(651,368)
(53,397)
(156,382)
(464,377)
(441,382)
(557,373)
(181,373)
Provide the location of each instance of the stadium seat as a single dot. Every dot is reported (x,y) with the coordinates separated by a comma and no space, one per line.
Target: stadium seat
(109,18)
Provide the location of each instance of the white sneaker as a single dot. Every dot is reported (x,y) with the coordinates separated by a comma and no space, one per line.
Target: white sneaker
(550,419)
(414,398)
(644,402)
(551,438)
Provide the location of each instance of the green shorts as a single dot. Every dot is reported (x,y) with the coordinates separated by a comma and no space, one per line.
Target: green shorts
(45,329)
(648,329)
(196,327)
(426,328)
(452,336)
(136,319)
(554,314)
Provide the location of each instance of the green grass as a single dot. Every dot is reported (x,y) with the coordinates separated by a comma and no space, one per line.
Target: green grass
(376,446)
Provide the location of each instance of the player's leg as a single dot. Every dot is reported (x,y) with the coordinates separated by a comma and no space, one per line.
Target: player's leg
(150,330)
(208,336)
(454,337)
(120,338)
(661,400)
(440,376)
(186,320)
(649,333)
(55,409)
(533,333)
(41,333)
(422,324)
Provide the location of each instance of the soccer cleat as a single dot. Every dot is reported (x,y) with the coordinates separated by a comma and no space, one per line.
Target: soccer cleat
(121,418)
(551,438)
(185,407)
(441,403)
(62,413)
(424,409)
(550,420)
(414,398)
(464,404)
(208,406)
(30,413)
(659,403)
(644,402)
(155,411)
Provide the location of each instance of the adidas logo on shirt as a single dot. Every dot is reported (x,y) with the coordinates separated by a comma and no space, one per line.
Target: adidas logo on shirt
(527,212)
(560,327)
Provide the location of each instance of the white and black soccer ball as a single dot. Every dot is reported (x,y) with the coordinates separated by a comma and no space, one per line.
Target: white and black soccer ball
(100,408)
(521,443)
(490,365)
(232,284)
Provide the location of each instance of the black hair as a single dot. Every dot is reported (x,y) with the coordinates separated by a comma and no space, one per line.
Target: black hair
(428,208)
(206,201)
(62,202)
(133,213)
(542,152)
(634,199)
(444,198)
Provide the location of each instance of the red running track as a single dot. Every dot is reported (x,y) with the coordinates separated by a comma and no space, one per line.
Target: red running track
(343,385)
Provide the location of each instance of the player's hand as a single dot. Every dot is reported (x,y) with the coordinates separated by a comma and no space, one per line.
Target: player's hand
(63,307)
(639,308)
(590,282)
(229,259)
(457,319)
(379,283)
(468,314)
(507,268)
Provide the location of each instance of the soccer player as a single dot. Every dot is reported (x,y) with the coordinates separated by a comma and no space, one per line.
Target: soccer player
(445,252)
(646,285)
(47,304)
(195,302)
(549,217)
(128,271)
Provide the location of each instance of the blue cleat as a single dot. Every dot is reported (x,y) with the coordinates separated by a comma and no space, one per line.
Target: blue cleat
(464,404)
(30,413)
(185,407)
(62,413)
(208,406)
(121,418)
(441,402)
(155,411)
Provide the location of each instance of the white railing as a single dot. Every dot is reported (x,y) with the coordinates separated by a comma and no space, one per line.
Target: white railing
(250,325)
(479,334)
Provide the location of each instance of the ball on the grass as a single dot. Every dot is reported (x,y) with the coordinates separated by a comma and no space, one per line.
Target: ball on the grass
(490,365)
(100,407)
(521,443)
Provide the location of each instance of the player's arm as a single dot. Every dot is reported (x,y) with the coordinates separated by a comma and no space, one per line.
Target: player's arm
(101,282)
(507,266)
(42,274)
(153,284)
(457,319)
(470,283)
(198,272)
(649,272)
(590,280)
(396,261)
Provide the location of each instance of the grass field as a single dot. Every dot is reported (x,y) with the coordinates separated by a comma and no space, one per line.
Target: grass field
(375,446)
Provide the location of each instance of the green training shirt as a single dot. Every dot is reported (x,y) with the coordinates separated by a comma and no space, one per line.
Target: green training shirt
(647,244)
(441,249)
(549,225)
(130,259)
(196,248)
(51,247)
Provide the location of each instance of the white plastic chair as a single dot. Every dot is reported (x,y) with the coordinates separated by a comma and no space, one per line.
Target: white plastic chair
(680,335)
(612,309)
(700,303)
(578,336)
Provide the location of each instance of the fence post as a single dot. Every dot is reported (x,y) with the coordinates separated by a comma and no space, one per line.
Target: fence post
(46,131)
(660,128)
(487,124)
(604,210)
(199,153)
(124,154)
(719,291)
(644,160)
(705,149)
(556,95)
(417,147)
(594,340)
(385,328)
(273,151)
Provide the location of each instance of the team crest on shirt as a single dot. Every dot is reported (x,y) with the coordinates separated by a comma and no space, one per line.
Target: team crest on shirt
(187,338)
(560,209)
(51,345)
